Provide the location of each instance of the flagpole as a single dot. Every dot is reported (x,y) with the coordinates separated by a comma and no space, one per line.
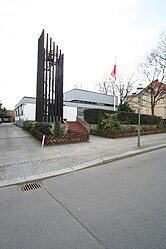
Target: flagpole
(114,101)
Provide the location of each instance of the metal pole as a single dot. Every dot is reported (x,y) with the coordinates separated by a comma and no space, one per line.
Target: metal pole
(114,102)
(138,142)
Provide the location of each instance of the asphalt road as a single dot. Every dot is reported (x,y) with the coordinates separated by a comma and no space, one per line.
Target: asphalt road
(121,205)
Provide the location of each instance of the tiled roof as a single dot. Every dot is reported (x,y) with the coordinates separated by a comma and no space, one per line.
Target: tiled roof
(155,86)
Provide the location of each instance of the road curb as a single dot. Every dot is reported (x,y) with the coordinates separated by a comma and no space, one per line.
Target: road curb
(97,162)
(118,157)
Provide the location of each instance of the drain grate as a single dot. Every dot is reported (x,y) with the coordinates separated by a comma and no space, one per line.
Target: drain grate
(31,186)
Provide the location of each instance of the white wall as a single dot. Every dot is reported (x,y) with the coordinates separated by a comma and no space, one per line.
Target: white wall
(29,110)
(70,113)
(28,113)
(84,99)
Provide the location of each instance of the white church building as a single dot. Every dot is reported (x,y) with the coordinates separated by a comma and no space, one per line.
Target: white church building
(75,102)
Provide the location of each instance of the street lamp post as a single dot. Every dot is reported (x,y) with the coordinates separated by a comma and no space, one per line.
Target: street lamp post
(139,89)
(139,119)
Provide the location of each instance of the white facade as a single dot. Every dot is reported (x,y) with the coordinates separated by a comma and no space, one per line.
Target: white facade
(25,110)
(75,102)
(70,113)
(89,100)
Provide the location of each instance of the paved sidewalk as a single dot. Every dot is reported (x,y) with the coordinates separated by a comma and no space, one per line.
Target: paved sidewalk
(23,159)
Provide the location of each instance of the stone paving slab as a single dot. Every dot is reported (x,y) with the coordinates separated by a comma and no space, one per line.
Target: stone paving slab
(33,173)
(25,159)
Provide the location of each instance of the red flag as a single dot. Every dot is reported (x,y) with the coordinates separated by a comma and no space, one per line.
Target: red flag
(113,73)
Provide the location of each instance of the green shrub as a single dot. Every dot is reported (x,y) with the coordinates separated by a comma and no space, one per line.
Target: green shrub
(28,125)
(100,119)
(43,128)
(91,116)
(58,131)
(112,123)
(125,108)
(163,123)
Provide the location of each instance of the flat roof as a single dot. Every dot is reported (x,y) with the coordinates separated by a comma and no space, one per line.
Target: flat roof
(87,91)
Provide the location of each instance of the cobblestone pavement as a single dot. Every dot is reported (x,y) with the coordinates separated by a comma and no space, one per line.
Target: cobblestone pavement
(21,155)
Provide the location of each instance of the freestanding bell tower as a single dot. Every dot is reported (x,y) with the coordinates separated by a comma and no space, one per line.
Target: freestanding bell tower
(49,90)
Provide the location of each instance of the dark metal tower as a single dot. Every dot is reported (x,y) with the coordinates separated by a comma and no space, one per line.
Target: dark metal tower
(49,92)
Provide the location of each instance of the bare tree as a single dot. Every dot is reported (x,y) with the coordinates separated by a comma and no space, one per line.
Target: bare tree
(120,87)
(160,52)
(124,88)
(104,86)
(154,70)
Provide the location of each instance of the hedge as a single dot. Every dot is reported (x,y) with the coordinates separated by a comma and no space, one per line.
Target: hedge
(122,134)
(92,116)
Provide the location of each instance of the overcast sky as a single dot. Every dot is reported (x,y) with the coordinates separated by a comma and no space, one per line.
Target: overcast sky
(90,33)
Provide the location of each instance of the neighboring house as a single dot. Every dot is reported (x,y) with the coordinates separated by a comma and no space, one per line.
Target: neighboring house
(154,92)
(75,102)
(8,116)
(144,103)
(11,113)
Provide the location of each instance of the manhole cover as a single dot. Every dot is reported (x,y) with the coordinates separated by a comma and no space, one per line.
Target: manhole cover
(30,186)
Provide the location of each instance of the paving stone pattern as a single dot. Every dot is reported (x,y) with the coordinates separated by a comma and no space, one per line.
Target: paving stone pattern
(23,156)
